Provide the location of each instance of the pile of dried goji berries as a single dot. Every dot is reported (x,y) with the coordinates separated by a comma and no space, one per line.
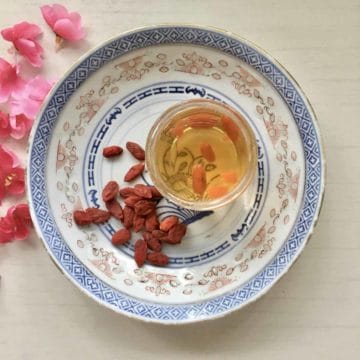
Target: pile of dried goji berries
(138,213)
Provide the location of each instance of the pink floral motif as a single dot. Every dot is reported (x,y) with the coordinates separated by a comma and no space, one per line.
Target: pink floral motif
(10,82)
(158,280)
(103,266)
(276,130)
(30,99)
(11,174)
(23,36)
(258,238)
(65,24)
(193,63)
(293,185)
(219,282)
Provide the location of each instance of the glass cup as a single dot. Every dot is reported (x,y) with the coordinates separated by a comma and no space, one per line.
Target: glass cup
(201,154)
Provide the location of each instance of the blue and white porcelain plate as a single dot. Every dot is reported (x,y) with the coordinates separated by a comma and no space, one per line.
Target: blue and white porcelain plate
(230,256)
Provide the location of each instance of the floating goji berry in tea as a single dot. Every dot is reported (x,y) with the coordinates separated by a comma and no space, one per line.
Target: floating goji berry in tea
(199,179)
(207,152)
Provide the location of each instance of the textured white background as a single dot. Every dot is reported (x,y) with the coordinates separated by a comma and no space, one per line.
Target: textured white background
(313,312)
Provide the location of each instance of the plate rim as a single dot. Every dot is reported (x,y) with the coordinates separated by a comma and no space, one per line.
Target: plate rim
(322,156)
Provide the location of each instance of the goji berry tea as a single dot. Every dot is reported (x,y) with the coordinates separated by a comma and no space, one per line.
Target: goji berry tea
(201,154)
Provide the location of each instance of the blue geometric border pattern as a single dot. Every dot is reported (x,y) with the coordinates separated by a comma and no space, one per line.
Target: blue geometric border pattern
(78,272)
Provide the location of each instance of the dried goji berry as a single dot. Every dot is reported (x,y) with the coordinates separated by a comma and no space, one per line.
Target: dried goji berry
(136,150)
(138,223)
(132,200)
(111,151)
(126,192)
(81,218)
(134,172)
(121,237)
(151,222)
(143,191)
(158,258)
(199,179)
(154,244)
(168,223)
(115,209)
(144,207)
(160,235)
(110,191)
(140,252)
(155,193)
(97,216)
(128,216)
(176,233)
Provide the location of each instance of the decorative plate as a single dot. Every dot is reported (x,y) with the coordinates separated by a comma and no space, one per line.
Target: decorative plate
(231,256)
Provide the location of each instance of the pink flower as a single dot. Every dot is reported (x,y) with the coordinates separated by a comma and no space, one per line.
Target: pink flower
(16,126)
(10,82)
(28,102)
(16,223)
(65,24)
(11,174)
(5,128)
(20,126)
(23,36)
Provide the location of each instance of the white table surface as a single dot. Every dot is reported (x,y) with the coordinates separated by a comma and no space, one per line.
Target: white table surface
(314,311)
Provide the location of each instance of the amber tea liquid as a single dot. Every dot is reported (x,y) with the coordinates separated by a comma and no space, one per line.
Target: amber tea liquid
(202,155)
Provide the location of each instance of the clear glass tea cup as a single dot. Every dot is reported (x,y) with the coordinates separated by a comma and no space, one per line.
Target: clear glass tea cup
(201,154)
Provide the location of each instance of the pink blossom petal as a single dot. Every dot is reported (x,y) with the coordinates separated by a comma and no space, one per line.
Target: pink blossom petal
(64,23)
(6,160)
(26,30)
(23,36)
(17,182)
(20,126)
(67,30)
(23,213)
(8,34)
(5,128)
(10,82)
(29,101)
(7,229)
